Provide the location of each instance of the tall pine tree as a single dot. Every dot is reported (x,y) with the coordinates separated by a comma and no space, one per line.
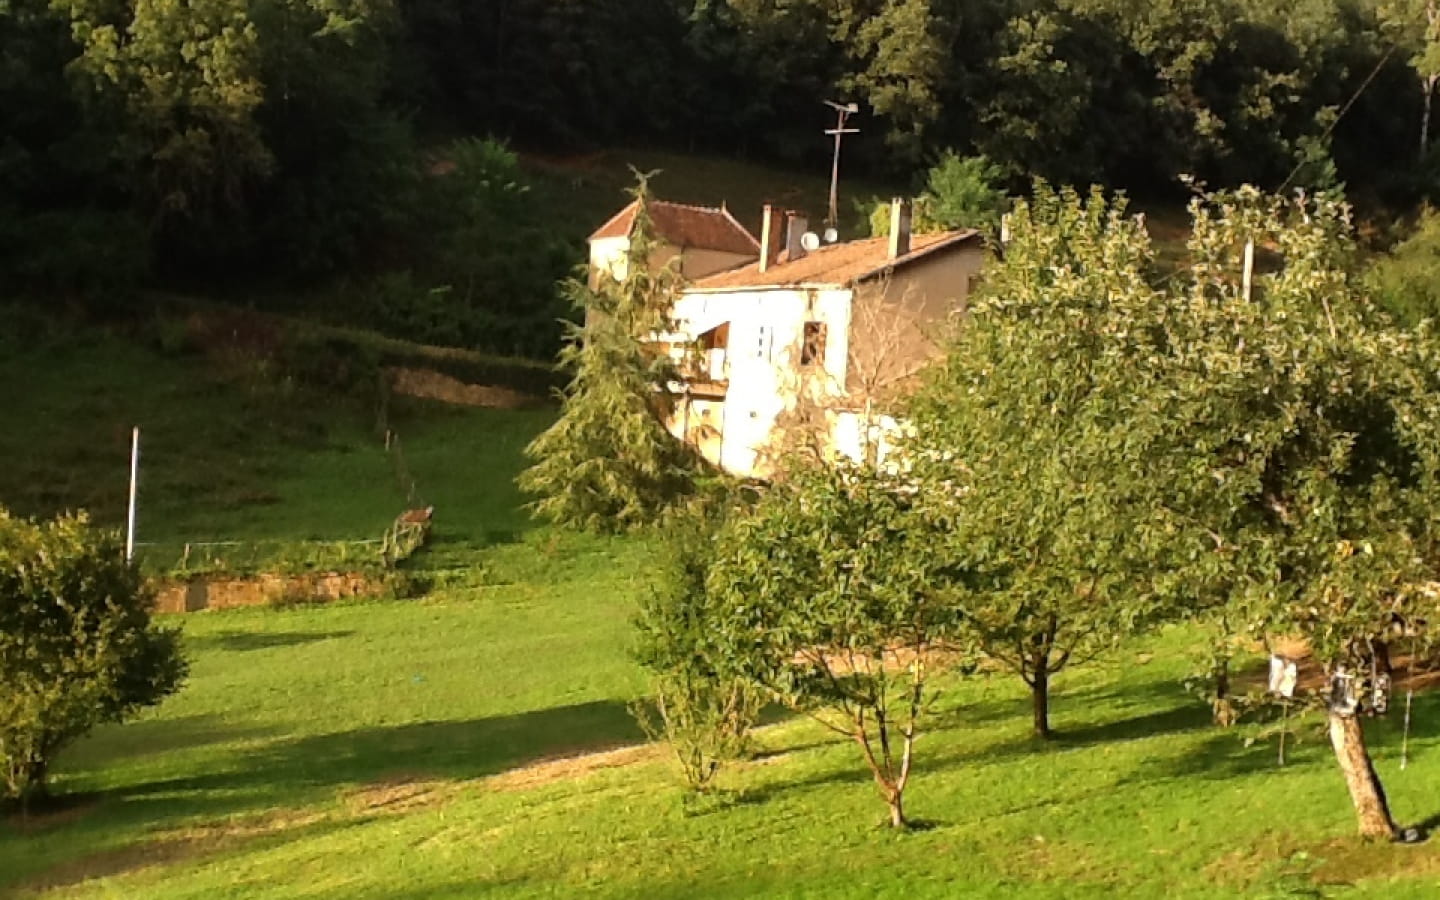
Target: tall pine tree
(608,463)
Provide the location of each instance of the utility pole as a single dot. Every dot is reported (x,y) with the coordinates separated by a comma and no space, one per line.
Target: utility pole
(842,111)
(134,483)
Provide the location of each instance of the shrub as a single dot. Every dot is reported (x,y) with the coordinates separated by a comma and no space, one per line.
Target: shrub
(702,711)
(94,254)
(1407,280)
(77,646)
(960,192)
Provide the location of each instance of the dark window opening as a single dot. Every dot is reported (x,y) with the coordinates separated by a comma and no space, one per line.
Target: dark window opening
(812,346)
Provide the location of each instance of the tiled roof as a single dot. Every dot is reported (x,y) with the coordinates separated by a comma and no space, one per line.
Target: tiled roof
(839,265)
(702,227)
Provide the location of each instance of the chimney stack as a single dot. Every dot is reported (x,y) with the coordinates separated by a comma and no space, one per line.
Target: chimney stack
(772,236)
(795,227)
(899,227)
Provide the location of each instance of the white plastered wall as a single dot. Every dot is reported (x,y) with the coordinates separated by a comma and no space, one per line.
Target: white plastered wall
(767,329)
(608,255)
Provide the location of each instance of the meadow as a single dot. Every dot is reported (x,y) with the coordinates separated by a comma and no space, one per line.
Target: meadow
(477,741)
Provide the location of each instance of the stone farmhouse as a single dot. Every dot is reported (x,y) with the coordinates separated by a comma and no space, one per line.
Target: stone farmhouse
(805,336)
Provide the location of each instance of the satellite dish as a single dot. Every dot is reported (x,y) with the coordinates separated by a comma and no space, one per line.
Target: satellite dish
(831,235)
(810,241)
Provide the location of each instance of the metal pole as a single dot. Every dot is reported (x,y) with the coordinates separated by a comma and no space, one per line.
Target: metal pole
(1284,726)
(1249,268)
(134,479)
(1405,741)
(841,111)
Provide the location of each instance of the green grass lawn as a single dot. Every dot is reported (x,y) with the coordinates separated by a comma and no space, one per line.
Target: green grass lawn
(408,749)
(367,750)
(226,458)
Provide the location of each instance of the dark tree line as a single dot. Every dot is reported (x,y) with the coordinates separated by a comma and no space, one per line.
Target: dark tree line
(222,141)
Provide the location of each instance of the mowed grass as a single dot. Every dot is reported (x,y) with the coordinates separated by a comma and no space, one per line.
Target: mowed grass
(401,750)
(226,458)
(463,744)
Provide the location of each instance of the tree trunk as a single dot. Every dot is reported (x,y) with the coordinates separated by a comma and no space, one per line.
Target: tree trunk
(897,812)
(1222,709)
(1366,792)
(1040,698)
(1425,125)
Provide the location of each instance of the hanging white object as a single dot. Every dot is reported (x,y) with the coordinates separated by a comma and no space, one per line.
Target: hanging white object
(1283,675)
(1343,701)
(1380,694)
(134,479)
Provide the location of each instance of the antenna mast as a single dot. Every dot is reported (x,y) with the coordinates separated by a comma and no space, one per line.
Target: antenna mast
(839,131)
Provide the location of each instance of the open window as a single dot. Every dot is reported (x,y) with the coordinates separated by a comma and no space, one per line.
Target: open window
(812,344)
(713,347)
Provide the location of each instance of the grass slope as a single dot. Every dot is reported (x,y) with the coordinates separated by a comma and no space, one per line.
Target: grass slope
(401,749)
(359,751)
(227,458)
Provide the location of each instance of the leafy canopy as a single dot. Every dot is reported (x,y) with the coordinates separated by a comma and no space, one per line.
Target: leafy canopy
(1033,434)
(77,647)
(827,596)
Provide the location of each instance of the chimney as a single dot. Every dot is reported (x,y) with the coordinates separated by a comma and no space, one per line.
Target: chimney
(795,227)
(771,236)
(899,227)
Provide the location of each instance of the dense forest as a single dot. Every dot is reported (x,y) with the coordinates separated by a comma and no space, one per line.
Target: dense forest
(210,143)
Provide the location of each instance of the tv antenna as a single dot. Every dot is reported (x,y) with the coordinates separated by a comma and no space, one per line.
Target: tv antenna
(843,110)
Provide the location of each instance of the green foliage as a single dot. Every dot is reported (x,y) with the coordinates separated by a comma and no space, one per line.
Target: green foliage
(1310,424)
(828,596)
(1406,281)
(608,463)
(1018,440)
(77,647)
(496,260)
(184,82)
(960,192)
(1414,26)
(74,252)
(702,707)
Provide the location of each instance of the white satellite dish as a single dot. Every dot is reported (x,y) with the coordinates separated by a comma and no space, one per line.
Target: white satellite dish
(810,240)
(831,235)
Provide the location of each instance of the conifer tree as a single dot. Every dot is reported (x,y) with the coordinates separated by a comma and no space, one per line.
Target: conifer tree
(608,463)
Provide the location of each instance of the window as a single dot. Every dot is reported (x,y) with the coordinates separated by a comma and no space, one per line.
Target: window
(812,345)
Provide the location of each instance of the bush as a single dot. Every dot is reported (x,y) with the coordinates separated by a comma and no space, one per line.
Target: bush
(90,254)
(77,647)
(960,192)
(1407,280)
(704,714)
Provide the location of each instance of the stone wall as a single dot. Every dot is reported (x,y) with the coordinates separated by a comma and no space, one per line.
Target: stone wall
(230,592)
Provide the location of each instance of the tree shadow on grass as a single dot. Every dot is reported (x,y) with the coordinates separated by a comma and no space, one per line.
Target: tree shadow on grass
(282,780)
(181,845)
(241,641)
(287,771)
(153,736)
(1186,717)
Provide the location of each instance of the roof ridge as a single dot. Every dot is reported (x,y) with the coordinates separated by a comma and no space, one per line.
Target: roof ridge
(852,258)
(695,206)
